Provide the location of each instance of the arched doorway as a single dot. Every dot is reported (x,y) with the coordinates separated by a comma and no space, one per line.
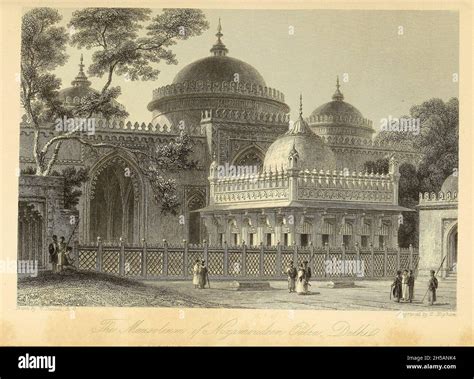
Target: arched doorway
(114,202)
(250,157)
(195,225)
(452,251)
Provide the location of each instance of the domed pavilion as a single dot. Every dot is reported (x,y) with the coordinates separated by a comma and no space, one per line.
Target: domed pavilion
(299,197)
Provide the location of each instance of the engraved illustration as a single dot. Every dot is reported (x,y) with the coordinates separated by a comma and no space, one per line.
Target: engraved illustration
(301,159)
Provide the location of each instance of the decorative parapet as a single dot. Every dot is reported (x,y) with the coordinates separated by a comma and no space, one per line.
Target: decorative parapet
(345,186)
(103,125)
(308,185)
(340,119)
(206,87)
(244,116)
(265,185)
(440,198)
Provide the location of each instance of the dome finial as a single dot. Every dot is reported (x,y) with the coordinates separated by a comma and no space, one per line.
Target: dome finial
(81,65)
(219,48)
(301,105)
(81,78)
(338,94)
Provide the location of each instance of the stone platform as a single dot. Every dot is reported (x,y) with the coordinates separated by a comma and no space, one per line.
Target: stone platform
(249,285)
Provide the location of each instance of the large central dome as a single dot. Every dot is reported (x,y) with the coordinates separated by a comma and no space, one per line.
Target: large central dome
(216,82)
(220,68)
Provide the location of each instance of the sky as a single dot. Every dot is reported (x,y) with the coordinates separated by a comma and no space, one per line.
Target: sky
(387,61)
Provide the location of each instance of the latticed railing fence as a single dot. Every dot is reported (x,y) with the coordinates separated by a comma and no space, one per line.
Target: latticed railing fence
(175,262)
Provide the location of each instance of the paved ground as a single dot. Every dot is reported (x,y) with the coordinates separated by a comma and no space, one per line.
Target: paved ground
(368,295)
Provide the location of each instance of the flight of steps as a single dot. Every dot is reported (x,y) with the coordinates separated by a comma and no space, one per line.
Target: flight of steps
(451,277)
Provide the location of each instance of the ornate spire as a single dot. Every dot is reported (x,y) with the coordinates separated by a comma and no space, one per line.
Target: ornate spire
(219,48)
(81,78)
(301,105)
(338,96)
(300,126)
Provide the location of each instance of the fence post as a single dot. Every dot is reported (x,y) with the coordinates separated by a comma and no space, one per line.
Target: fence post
(260,266)
(295,254)
(244,258)
(398,257)
(312,259)
(98,262)
(385,258)
(372,258)
(75,251)
(185,258)
(122,258)
(144,256)
(165,258)
(206,253)
(343,259)
(278,268)
(226,259)
(411,257)
(359,269)
(326,258)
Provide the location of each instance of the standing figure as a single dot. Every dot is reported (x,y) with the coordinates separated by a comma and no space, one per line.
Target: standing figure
(301,285)
(292,274)
(61,254)
(203,275)
(307,272)
(53,253)
(396,287)
(196,269)
(411,286)
(432,287)
(405,290)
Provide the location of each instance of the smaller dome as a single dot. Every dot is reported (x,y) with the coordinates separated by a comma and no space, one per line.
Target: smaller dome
(302,143)
(450,184)
(81,87)
(337,107)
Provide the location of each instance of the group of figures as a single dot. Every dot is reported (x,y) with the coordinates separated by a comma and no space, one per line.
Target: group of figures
(298,279)
(200,275)
(59,254)
(403,287)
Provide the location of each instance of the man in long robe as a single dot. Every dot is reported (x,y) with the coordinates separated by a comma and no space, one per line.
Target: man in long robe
(62,254)
(405,288)
(301,284)
(396,287)
(203,275)
(292,274)
(432,287)
(411,286)
(196,269)
(307,272)
(53,253)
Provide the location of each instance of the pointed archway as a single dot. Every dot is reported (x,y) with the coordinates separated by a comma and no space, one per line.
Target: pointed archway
(115,202)
(452,248)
